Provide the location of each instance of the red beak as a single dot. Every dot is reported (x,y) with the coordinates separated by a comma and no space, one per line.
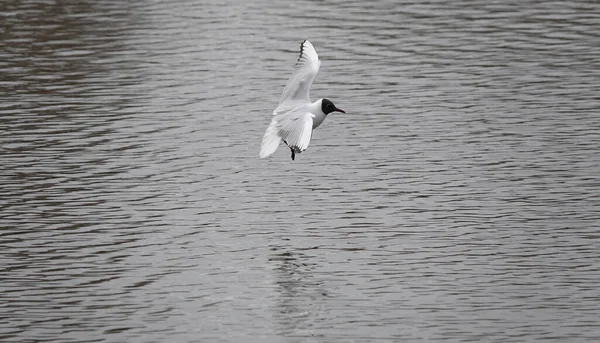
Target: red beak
(340,110)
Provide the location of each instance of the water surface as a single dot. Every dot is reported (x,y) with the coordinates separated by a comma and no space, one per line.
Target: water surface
(457,200)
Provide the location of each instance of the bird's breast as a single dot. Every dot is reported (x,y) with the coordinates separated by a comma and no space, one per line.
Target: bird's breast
(318,119)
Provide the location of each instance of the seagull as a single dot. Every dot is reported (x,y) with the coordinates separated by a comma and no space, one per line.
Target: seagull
(296,116)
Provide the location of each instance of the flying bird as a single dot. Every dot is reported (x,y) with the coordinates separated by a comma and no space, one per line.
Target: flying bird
(296,116)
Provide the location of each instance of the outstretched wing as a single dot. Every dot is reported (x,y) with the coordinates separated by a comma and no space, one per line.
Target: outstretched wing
(305,71)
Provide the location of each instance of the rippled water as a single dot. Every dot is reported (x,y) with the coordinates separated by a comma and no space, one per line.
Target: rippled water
(456,201)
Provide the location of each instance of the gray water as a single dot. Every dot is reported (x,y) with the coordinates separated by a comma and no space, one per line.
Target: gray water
(456,201)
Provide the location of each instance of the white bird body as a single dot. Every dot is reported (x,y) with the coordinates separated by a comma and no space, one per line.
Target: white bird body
(296,116)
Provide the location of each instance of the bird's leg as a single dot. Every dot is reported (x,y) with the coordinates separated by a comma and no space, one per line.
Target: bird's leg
(293,152)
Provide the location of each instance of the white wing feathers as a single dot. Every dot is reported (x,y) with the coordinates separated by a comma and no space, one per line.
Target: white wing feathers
(294,128)
(305,71)
(271,140)
(296,131)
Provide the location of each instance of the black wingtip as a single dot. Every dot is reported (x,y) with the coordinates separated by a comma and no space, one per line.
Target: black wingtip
(301,49)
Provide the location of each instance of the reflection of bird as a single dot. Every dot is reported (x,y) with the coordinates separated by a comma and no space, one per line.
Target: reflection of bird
(299,294)
(296,116)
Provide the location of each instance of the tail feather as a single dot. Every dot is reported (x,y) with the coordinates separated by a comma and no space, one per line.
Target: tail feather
(270,141)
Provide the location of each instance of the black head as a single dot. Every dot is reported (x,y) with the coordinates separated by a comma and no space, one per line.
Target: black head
(327,107)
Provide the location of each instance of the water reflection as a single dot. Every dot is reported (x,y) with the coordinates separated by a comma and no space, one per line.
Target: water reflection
(65,89)
(51,47)
(300,295)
